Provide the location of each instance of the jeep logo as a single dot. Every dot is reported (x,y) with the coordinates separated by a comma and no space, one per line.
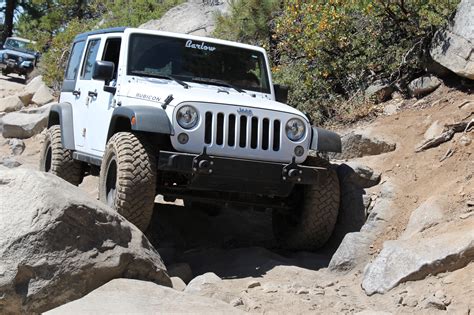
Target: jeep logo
(202,46)
(245,111)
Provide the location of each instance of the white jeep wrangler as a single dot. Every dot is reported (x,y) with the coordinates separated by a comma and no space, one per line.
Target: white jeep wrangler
(192,118)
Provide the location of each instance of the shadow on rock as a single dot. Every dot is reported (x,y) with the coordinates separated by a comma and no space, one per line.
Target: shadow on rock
(234,244)
(240,243)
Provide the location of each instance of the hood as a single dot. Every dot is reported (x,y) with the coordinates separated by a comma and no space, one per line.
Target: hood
(17,53)
(157,90)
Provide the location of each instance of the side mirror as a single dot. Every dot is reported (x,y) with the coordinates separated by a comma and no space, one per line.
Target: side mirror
(281,93)
(104,71)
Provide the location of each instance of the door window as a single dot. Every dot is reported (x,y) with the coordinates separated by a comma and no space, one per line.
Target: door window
(91,56)
(74,60)
(112,53)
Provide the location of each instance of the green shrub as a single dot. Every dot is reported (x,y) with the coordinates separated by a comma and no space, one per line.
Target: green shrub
(329,51)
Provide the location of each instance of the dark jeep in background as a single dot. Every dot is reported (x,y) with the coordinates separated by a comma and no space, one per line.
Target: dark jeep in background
(17,56)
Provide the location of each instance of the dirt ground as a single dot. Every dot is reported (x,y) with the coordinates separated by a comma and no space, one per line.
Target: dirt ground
(238,245)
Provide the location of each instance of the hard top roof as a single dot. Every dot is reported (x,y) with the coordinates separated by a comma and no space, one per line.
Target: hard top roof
(84,36)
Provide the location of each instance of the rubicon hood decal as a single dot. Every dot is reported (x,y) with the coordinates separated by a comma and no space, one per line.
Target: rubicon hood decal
(148,97)
(149,91)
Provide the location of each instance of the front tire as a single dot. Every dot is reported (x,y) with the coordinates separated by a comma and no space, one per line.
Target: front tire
(127,179)
(57,160)
(310,224)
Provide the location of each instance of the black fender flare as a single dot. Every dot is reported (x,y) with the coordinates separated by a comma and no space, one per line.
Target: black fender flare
(325,141)
(61,114)
(145,118)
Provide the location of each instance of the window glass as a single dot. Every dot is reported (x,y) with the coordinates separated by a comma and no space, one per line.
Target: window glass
(91,56)
(74,60)
(200,62)
(112,52)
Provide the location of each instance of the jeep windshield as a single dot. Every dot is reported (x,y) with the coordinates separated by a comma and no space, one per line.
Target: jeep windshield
(17,44)
(197,61)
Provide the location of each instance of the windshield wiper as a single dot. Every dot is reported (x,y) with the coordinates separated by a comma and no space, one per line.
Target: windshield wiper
(217,82)
(162,76)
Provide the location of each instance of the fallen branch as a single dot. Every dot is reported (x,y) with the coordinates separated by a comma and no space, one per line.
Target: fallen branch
(448,133)
(465,102)
(448,154)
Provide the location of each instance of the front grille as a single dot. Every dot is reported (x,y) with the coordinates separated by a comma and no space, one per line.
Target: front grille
(13,57)
(242,131)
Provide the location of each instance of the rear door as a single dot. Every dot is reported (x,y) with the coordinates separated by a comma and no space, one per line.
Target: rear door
(88,89)
(69,92)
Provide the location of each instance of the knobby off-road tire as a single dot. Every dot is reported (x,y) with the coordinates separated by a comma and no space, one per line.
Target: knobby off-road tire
(57,160)
(310,224)
(127,180)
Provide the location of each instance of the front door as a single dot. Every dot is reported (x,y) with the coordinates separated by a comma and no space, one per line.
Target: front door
(101,107)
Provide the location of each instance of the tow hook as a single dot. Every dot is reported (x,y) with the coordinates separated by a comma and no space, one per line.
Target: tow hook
(202,164)
(292,172)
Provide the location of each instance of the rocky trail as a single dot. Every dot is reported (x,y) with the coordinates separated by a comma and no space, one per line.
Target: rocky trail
(413,254)
(403,243)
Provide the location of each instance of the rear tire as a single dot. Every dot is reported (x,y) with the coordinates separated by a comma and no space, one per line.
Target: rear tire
(310,224)
(127,179)
(57,160)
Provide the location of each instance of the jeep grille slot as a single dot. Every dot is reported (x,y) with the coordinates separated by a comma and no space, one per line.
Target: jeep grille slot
(254,138)
(208,128)
(231,134)
(220,129)
(265,133)
(276,135)
(242,131)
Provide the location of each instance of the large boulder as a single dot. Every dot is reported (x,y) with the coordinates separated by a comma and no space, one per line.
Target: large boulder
(58,244)
(43,96)
(194,17)
(17,146)
(30,89)
(378,92)
(355,145)
(353,251)
(10,104)
(125,296)
(415,258)
(423,85)
(428,214)
(201,281)
(453,47)
(23,126)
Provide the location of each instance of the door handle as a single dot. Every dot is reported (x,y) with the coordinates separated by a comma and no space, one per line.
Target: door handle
(76,92)
(93,93)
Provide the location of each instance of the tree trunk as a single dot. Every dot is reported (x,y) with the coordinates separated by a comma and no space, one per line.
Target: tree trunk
(9,13)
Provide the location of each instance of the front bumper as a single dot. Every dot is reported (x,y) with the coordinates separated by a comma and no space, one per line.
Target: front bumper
(17,67)
(212,173)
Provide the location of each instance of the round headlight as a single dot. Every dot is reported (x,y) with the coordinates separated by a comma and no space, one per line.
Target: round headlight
(5,56)
(295,129)
(187,117)
(20,59)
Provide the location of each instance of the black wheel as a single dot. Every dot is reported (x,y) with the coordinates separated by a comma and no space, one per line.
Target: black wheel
(57,160)
(310,223)
(127,180)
